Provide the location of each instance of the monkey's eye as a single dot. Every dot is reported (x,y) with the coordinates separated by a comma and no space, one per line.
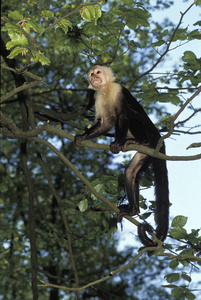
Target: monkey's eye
(98,72)
(92,74)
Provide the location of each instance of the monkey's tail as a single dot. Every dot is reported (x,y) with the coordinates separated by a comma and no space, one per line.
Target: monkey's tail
(162,204)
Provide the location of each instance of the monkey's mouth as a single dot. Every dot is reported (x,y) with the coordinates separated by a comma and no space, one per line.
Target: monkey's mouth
(96,80)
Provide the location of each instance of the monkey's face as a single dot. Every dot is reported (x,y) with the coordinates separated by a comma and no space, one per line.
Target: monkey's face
(97,77)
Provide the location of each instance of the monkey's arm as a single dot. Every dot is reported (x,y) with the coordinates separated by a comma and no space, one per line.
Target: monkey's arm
(96,130)
(121,129)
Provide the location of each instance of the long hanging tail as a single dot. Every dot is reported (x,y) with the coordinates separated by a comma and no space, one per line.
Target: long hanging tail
(162,203)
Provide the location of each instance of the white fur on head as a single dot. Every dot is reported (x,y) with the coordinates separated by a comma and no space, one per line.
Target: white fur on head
(108,76)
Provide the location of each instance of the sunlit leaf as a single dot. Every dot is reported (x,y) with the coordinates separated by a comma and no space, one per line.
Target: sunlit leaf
(36,27)
(15,15)
(83,205)
(16,51)
(47,13)
(91,13)
(16,40)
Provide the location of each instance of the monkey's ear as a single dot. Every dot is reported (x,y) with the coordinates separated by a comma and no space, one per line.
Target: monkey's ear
(90,100)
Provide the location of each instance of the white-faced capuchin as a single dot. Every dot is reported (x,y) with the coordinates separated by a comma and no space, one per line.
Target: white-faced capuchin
(116,107)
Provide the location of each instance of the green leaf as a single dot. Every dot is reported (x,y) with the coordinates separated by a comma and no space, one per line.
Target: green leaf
(63,43)
(181,35)
(16,40)
(165,97)
(158,43)
(36,27)
(97,44)
(90,29)
(179,221)
(110,183)
(174,99)
(137,17)
(3,188)
(198,2)
(197,23)
(132,23)
(177,232)
(184,262)
(182,293)
(91,13)
(47,13)
(37,56)
(177,293)
(172,277)
(15,15)
(127,2)
(83,205)
(195,34)
(186,277)
(145,216)
(16,51)
(188,56)
(99,188)
(187,252)
(189,295)
(11,27)
(145,86)
(164,32)
(65,25)
(173,264)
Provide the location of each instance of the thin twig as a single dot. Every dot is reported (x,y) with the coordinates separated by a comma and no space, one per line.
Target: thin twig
(167,48)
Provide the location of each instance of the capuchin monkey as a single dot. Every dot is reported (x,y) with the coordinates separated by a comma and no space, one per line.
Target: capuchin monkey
(116,107)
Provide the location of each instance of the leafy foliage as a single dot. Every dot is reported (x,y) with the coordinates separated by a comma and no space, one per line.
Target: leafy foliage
(58,225)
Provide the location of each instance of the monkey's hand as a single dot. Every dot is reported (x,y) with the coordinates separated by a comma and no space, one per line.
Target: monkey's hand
(116,147)
(79,139)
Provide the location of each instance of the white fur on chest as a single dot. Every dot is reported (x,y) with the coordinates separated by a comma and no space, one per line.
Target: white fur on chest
(108,101)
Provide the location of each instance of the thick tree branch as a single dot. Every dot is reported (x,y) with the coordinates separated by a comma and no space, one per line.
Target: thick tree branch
(25,86)
(194,145)
(16,133)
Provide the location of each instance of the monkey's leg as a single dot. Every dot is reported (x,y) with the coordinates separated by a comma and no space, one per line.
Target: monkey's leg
(132,187)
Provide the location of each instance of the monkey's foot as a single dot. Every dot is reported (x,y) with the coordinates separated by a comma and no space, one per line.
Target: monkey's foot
(132,141)
(126,210)
(78,139)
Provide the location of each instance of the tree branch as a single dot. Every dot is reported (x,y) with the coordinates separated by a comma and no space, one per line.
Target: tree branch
(173,118)
(64,218)
(111,273)
(167,48)
(16,133)
(25,86)
(114,272)
(71,13)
